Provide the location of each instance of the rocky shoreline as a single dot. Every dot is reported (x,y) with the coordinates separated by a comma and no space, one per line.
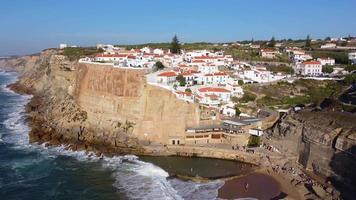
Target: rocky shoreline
(55,118)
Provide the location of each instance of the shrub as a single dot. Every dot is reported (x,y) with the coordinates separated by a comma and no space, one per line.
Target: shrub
(254,141)
(327,69)
(74,53)
(248,96)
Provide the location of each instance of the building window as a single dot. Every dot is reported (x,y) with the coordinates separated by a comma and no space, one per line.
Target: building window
(173,142)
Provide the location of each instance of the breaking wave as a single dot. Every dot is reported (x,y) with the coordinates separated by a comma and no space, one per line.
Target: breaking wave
(137,179)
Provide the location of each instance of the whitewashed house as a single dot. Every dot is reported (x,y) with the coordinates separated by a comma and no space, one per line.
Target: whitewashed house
(213,95)
(212,78)
(308,68)
(228,109)
(208,68)
(269,53)
(167,78)
(326,61)
(328,46)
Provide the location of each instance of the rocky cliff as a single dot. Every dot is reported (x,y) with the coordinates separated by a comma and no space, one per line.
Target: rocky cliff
(323,142)
(98,107)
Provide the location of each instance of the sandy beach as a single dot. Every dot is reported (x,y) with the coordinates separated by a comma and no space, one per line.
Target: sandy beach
(260,185)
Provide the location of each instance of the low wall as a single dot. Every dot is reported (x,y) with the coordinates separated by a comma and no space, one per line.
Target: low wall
(206,152)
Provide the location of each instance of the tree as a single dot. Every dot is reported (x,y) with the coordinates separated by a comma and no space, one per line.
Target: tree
(175,45)
(240,82)
(350,79)
(327,39)
(272,43)
(188,90)
(159,65)
(254,141)
(237,110)
(180,78)
(327,69)
(350,68)
(308,42)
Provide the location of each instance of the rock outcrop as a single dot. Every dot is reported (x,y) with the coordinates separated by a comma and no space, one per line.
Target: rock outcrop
(323,142)
(98,107)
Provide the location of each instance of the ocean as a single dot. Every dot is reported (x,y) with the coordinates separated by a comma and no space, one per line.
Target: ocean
(34,171)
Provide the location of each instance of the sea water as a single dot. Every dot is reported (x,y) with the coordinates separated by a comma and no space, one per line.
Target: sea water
(34,171)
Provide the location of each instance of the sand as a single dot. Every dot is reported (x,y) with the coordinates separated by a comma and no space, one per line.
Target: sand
(261,185)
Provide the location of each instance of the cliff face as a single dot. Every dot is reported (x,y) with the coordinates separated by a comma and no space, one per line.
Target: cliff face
(122,97)
(324,142)
(98,107)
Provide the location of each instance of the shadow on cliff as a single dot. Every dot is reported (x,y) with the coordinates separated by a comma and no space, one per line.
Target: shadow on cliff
(343,164)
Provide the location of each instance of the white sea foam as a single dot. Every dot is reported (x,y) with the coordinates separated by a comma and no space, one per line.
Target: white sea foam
(138,179)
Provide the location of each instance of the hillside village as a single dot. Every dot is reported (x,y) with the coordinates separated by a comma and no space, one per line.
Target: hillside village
(216,81)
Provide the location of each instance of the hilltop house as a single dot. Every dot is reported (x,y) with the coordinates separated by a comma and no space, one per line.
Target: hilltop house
(352,57)
(168,77)
(268,53)
(213,78)
(326,61)
(212,96)
(308,68)
(328,46)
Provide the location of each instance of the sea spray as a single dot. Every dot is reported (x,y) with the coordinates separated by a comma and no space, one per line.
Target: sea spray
(135,178)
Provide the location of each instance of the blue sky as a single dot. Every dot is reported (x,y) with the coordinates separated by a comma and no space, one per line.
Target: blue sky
(28,26)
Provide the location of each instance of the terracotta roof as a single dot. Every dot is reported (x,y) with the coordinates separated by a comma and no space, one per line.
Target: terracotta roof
(111,55)
(168,74)
(216,74)
(198,61)
(213,89)
(311,63)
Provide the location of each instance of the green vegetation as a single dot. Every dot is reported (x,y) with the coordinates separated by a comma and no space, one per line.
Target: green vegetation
(350,79)
(181,80)
(285,95)
(175,45)
(240,82)
(308,42)
(340,57)
(74,53)
(159,65)
(248,96)
(350,68)
(281,69)
(188,90)
(254,141)
(237,110)
(327,69)
(272,43)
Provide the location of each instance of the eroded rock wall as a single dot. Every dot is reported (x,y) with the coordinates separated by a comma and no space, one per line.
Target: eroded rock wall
(120,96)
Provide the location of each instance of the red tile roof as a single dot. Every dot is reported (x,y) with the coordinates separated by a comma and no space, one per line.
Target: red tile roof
(311,63)
(213,89)
(198,61)
(111,55)
(216,74)
(167,74)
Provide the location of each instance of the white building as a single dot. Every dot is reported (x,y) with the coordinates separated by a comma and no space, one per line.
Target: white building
(208,68)
(234,87)
(261,75)
(228,109)
(213,96)
(62,46)
(111,57)
(213,78)
(167,78)
(255,132)
(328,46)
(352,57)
(308,68)
(326,61)
(268,53)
